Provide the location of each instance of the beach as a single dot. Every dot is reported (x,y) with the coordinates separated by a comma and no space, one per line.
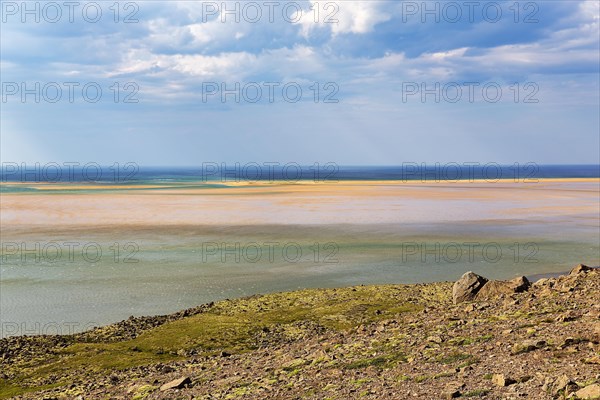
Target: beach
(300,203)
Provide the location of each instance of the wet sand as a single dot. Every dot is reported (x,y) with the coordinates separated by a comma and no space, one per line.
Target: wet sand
(299,204)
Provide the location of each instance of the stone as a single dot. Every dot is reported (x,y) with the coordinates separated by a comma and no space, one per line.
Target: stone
(452,390)
(580,269)
(589,392)
(501,380)
(525,378)
(563,383)
(435,339)
(592,360)
(176,384)
(595,328)
(569,342)
(465,371)
(541,282)
(467,287)
(567,317)
(520,284)
(494,289)
(451,394)
(527,346)
(319,355)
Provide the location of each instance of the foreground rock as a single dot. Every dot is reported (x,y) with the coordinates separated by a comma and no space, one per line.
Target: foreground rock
(501,380)
(495,288)
(364,342)
(176,384)
(580,269)
(589,392)
(527,346)
(471,287)
(467,287)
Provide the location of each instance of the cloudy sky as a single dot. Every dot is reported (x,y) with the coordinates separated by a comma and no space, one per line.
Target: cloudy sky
(350,82)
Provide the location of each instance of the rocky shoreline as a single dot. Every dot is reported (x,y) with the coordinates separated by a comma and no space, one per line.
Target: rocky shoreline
(470,339)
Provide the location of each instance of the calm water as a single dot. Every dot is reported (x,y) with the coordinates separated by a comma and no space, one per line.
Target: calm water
(169,272)
(215,173)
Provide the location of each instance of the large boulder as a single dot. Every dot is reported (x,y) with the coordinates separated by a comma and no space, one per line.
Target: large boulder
(589,392)
(467,287)
(495,288)
(580,269)
(176,384)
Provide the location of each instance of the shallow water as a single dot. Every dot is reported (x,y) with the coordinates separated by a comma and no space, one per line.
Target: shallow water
(170,263)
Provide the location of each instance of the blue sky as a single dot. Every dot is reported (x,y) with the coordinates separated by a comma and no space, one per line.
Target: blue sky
(367,59)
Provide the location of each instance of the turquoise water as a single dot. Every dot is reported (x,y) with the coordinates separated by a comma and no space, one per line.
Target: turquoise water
(173,269)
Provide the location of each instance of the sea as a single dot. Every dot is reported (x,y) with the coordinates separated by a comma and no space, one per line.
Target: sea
(131,173)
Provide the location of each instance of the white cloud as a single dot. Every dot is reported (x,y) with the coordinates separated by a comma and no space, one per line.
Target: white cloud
(357,17)
(233,66)
(590,10)
(441,56)
(227,65)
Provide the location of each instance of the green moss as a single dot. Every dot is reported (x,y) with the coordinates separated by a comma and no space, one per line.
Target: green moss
(443,374)
(295,365)
(470,361)
(230,325)
(143,392)
(460,341)
(359,382)
(364,363)
(452,358)
(239,392)
(484,338)
(10,390)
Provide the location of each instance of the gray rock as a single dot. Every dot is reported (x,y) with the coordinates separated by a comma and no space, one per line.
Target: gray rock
(467,287)
(501,380)
(493,289)
(451,394)
(435,339)
(176,384)
(580,269)
(589,392)
(541,282)
(561,383)
(527,346)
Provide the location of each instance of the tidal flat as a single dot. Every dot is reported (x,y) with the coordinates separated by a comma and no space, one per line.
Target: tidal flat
(76,255)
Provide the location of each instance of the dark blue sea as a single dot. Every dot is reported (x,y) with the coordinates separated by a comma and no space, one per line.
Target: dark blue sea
(131,173)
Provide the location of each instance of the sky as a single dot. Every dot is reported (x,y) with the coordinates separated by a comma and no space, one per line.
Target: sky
(180,83)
